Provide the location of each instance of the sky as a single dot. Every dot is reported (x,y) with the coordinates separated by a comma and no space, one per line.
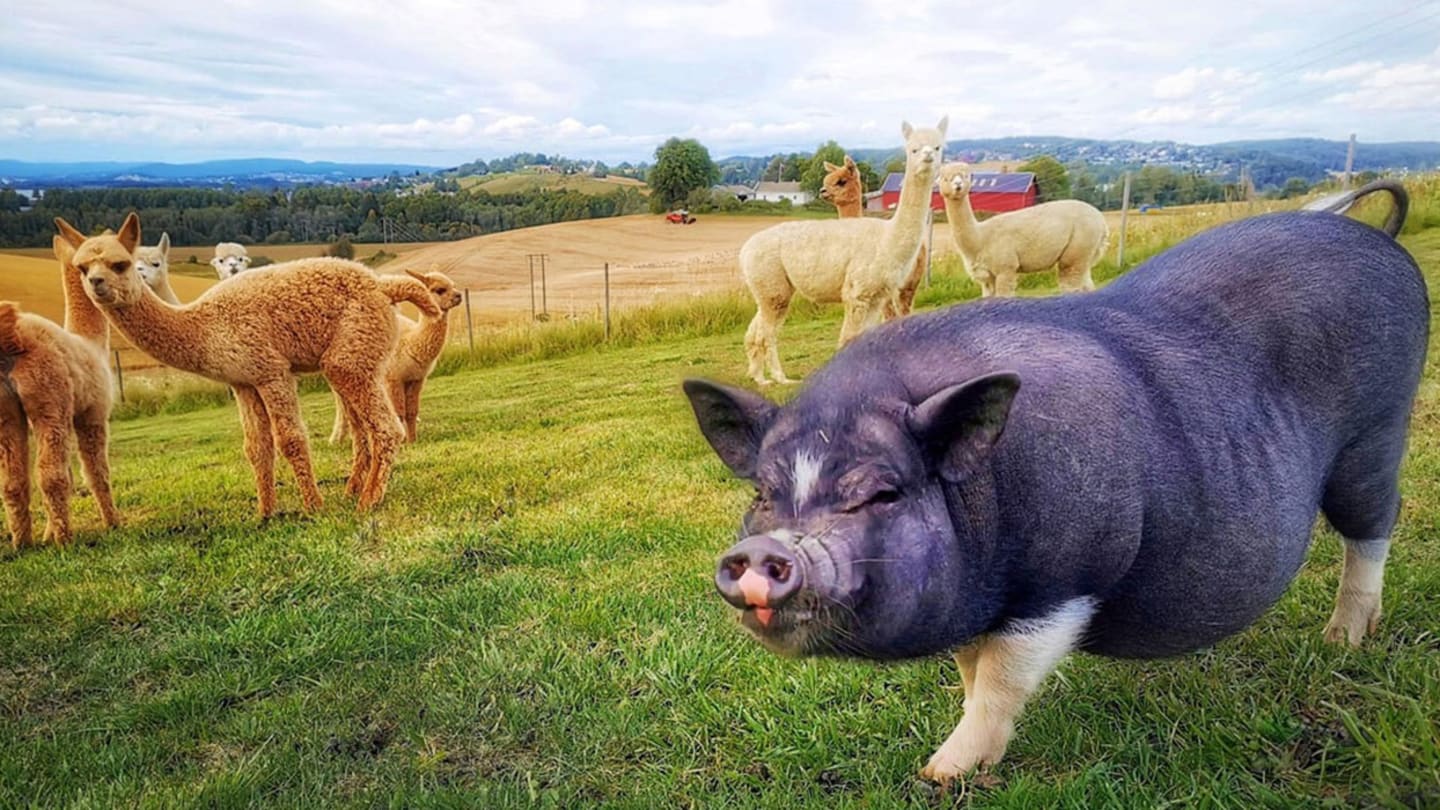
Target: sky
(439,82)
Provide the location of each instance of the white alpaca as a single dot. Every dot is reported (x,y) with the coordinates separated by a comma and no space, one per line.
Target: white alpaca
(861,262)
(231,259)
(154,266)
(1069,233)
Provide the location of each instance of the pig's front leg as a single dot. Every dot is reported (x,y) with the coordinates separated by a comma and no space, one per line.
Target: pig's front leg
(1000,673)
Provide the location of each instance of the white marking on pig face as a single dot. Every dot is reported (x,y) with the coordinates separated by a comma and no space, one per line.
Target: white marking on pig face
(806,476)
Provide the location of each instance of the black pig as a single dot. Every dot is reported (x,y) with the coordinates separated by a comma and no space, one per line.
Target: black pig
(1133,472)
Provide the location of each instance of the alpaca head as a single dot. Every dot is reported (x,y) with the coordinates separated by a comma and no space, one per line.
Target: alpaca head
(107,263)
(955,180)
(154,262)
(440,286)
(230,260)
(842,184)
(924,148)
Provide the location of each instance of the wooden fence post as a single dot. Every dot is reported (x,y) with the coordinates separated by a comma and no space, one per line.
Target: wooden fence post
(119,376)
(607,302)
(469,324)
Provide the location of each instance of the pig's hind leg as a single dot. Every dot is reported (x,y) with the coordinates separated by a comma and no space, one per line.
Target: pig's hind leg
(1362,502)
(1000,673)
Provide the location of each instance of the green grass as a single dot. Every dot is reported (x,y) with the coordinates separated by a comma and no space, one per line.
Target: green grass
(529,621)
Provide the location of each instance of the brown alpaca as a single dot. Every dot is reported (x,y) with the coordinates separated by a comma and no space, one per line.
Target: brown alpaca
(256,332)
(845,189)
(420,345)
(55,381)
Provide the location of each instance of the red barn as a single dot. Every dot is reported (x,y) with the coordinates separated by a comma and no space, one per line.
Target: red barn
(995,192)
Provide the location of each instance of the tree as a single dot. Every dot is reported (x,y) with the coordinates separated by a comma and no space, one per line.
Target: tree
(681,166)
(1052,182)
(813,175)
(868,176)
(895,166)
(341,249)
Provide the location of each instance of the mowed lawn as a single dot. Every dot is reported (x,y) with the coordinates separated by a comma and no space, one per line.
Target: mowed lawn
(529,620)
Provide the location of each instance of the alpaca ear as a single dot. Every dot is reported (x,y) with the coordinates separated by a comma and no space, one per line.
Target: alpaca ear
(74,237)
(906,129)
(64,251)
(165,244)
(849,162)
(129,235)
(943,125)
(830,167)
(215,262)
(417,276)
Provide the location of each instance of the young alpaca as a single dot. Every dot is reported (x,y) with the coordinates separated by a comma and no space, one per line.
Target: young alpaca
(861,262)
(845,189)
(415,355)
(1031,240)
(256,333)
(55,381)
(231,259)
(154,266)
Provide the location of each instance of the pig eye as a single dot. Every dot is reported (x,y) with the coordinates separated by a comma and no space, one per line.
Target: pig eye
(879,497)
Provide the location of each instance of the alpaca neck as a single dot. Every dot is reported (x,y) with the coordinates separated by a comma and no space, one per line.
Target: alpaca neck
(166,292)
(82,318)
(428,339)
(849,209)
(908,224)
(168,334)
(963,225)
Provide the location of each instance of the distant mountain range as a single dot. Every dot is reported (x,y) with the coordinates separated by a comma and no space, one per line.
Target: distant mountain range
(1269,162)
(244,172)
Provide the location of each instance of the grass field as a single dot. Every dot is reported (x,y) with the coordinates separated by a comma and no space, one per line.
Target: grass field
(511,182)
(529,621)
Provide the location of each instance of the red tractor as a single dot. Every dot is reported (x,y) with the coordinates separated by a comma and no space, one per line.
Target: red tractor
(680,217)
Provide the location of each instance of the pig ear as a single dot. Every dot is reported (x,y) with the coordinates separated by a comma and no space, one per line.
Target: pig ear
(958,426)
(733,420)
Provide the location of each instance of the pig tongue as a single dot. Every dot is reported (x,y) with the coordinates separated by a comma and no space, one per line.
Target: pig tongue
(755,588)
(757,594)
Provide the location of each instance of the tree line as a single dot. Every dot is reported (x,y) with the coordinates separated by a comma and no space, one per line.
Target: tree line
(308,213)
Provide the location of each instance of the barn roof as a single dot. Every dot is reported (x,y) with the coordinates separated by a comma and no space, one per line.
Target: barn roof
(985,182)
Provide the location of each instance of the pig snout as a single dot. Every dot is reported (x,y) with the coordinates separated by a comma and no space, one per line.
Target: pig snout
(759,573)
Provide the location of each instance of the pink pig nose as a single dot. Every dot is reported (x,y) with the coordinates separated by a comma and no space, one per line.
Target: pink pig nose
(760,573)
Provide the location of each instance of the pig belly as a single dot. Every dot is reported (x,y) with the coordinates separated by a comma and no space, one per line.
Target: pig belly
(1194,599)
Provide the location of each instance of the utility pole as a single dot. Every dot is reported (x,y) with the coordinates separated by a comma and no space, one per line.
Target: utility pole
(1124,214)
(1349,162)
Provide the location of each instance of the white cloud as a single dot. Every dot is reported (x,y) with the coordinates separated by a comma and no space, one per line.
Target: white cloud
(446,80)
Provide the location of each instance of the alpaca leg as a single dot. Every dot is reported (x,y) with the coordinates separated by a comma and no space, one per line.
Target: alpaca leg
(283,405)
(861,313)
(1005,283)
(341,428)
(912,284)
(373,410)
(259,445)
(395,390)
(52,438)
(762,340)
(412,408)
(93,437)
(1075,278)
(15,467)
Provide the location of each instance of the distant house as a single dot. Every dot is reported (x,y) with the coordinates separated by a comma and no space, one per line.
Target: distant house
(738,191)
(994,192)
(775,192)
